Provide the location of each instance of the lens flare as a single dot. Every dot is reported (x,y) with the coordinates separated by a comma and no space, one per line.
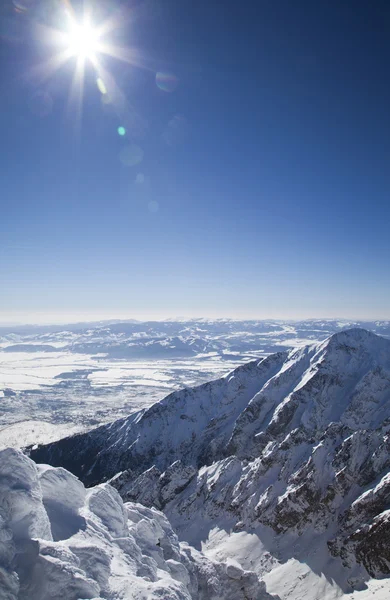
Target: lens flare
(131,155)
(23,5)
(101,86)
(167,82)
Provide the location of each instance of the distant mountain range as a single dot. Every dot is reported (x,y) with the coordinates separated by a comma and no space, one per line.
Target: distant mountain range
(170,339)
(71,378)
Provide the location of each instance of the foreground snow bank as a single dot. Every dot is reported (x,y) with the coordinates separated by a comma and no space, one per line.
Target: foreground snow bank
(61,540)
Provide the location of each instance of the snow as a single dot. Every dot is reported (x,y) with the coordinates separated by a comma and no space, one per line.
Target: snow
(59,540)
(28,433)
(87,374)
(294,580)
(29,371)
(274,477)
(263,468)
(291,579)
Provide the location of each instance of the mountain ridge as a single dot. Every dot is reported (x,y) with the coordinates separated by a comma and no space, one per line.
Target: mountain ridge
(196,410)
(293,446)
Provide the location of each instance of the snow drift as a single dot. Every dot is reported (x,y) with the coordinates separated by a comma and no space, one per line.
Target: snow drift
(60,540)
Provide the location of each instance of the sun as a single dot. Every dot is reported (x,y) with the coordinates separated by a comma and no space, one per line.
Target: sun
(82,40)
(85,42)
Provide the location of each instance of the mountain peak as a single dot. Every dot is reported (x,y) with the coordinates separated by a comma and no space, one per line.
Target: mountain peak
(355,334)
(365,346)
(235,414)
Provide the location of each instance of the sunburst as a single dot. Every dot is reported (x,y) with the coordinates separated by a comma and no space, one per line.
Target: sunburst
(86,42)
(83,40)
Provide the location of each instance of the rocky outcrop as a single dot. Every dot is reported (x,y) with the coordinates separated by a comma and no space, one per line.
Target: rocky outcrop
(153,488)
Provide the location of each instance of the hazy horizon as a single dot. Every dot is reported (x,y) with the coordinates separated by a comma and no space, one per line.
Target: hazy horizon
(75,318)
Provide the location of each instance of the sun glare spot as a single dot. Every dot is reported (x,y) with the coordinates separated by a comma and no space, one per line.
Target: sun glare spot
(83,40)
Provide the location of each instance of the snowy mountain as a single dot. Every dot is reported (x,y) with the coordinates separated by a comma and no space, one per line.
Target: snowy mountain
(282,463)
(60,540)
(58,380)
(173,339)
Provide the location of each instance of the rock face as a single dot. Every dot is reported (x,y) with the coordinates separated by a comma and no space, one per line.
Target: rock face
(293,443)
(152,487)
(60,540)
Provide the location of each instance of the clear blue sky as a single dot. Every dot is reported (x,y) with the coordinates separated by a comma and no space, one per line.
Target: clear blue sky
(262,183)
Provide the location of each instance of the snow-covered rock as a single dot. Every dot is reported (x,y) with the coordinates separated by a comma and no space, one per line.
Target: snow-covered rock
(152,487)
(59,540)
(291,448)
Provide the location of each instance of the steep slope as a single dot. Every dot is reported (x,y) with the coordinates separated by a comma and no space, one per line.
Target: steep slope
(236,414)
(193,424)
(59,540)
(293,450)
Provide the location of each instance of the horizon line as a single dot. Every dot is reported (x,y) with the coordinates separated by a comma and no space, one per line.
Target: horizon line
(78,319)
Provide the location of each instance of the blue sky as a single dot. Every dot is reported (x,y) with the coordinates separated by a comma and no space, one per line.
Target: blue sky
(262,181)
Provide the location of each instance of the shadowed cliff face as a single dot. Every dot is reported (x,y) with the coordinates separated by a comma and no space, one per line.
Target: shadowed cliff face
(193,425)
(298,440)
